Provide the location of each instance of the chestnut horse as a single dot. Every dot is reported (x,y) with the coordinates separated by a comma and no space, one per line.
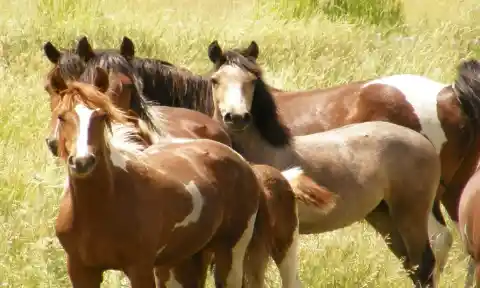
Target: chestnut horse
(132,209)
(363,164)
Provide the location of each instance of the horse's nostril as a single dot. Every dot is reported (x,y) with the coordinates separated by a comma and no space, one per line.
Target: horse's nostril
(228,117)
(247,117)
(70,160)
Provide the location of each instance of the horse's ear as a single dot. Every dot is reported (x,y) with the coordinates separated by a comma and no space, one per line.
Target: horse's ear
(215,53)
(252,50)
(57,83)
(127,49)
(101,80)
(51,52)
(84,50)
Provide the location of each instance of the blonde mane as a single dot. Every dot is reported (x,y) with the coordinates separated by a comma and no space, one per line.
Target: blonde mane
(127,134)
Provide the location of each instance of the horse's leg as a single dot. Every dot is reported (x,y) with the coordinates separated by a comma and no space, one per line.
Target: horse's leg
(470,272)
(440,236)
(288,265)
(381,221)
(411,220)
(229,260)
(82,276)
(190,273)
(255,264)
(141,276)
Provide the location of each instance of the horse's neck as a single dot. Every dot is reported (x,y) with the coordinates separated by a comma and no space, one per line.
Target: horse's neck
(255,149)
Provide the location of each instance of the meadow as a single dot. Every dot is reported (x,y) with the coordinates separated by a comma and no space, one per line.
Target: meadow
(303,44)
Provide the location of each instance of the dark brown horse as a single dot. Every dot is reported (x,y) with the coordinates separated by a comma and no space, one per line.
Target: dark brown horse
(133,208)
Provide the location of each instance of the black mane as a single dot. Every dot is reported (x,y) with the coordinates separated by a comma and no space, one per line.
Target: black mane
(264,110)
(174,87)
(116,63)
(467,87)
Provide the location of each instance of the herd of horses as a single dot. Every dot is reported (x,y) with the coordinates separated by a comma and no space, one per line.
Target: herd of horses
(170,174)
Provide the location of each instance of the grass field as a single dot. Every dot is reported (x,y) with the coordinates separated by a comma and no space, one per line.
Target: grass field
(303,44)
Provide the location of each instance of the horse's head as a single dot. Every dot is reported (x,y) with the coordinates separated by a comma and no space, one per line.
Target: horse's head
(85,115)
(240,95)
(233,84)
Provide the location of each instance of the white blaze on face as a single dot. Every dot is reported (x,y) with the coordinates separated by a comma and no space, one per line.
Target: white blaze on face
(84,117)
(234,99)
(421,92)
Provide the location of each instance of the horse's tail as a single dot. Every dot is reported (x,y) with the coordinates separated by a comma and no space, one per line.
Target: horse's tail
(309,192)
(467,88)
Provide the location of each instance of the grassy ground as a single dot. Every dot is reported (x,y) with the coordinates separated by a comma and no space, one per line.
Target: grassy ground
(334,45)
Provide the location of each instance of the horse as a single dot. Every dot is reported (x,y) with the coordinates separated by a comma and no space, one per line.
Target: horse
(468,216)
(276,224)
(181,122)
(363,164)
(137,208)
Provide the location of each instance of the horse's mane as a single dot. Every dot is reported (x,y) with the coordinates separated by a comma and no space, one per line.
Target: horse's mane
(264,109)
(467,87)
(88,95)
(173,86)
(116,63)
(122,134)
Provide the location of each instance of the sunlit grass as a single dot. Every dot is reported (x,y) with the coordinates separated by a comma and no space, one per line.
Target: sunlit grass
(296,52)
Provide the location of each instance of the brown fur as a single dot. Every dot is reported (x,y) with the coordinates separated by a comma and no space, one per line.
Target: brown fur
(469,225)
(114,218)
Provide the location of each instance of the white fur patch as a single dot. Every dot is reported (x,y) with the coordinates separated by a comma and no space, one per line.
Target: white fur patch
(289,265)
(197,205)
(84,115)
(57,128)
(183,140)
(292,173)
(421,92)
(172,282)
(235,275)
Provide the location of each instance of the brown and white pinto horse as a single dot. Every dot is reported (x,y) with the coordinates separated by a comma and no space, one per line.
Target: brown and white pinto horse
(363,164)
(134,208)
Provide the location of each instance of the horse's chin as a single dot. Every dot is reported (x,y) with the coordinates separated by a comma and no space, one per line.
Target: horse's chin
(236,127)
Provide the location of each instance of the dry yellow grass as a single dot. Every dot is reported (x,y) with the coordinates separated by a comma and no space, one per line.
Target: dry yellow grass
(296,54)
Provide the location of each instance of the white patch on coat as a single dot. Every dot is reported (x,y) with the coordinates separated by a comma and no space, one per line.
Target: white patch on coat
(421,92)
(235,275)
(289,265)
(197,205)
(84,116)
(172,282)
(292,173)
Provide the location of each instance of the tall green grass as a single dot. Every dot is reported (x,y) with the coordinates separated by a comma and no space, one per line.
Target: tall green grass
(298,51)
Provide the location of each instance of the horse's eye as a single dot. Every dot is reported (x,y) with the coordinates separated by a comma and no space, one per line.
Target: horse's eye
(61,118)
(214,81)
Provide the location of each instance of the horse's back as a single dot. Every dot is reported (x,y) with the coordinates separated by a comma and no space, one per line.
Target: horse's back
(185,122)
(373,150)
